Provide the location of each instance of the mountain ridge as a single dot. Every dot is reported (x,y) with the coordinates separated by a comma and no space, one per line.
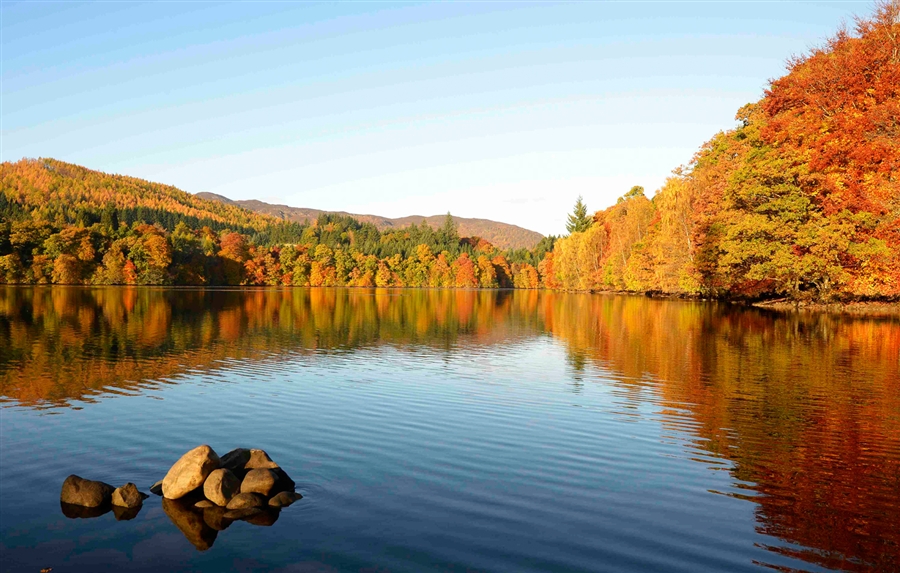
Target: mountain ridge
(502,235)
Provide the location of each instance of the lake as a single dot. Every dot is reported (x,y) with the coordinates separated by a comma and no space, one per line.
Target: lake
(455,430)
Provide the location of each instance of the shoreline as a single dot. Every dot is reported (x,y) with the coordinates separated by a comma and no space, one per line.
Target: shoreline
(865,307)
(868,308)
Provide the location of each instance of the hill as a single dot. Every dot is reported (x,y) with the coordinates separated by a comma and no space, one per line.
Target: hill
(66,224)
(46,189)
(502,235)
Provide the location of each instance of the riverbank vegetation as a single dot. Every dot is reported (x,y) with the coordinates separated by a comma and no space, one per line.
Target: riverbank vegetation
(800,200)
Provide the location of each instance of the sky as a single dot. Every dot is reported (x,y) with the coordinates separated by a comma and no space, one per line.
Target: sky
(500,110)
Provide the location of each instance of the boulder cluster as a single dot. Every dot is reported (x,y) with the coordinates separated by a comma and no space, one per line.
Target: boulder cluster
(241,479)
(202,493)
(87,498)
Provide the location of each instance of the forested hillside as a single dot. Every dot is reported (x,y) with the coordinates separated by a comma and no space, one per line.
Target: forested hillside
(802,199)
(65,224)
(503,235)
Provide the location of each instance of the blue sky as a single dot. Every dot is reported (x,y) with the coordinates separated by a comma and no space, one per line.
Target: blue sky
(500,110)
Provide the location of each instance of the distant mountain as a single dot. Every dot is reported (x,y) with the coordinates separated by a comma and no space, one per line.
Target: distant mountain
(502,235)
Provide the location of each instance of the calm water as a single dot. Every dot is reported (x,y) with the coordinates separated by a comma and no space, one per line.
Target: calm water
(456,430)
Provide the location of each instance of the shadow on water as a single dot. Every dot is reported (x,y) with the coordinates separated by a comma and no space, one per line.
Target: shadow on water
(806,407)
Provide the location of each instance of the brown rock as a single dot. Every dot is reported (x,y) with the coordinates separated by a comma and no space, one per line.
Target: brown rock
(127,496)
(85,492)
(285,483)
(191,524)
(189,472)
(236,459)
(243,500)
(259,459)
(284,499)
(204,503)
(156,489)
(221,486)
(259,481)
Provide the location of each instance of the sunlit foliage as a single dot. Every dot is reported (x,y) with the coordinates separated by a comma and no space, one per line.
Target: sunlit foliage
(802,199)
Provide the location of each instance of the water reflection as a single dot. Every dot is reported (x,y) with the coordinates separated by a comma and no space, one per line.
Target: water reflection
(804,407)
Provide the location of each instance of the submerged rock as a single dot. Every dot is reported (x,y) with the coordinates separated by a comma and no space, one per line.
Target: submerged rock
(284,499)
(204,503)
(127,496)
(221,486)
(84,492)
(261,481)
(189,472)
(244,500)
(156,488)
(191,524)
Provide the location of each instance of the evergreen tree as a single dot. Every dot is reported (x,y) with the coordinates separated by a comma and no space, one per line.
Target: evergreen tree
(448,236)
(578,220)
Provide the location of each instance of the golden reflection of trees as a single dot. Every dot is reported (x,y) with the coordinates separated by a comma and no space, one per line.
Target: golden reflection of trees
(61,343)
(806,406)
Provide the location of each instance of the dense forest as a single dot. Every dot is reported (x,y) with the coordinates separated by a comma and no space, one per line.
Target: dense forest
(64,224)
(801,199)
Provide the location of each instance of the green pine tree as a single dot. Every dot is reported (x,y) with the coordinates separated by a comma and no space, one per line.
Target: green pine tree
(578,220)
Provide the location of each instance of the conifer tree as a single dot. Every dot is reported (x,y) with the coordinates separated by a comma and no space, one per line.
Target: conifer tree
(578,220)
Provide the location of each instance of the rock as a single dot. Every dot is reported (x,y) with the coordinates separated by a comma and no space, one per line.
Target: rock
(285,483)
(82,512)
(236,459)
(215,517)
(156,488)
(191,524)
(221,486)
(189,472)
(85,492)
(204,503)
(284,499)
(125,513)
(242,513)
(259,481)
(259,459)
(243,500)
(265,518)
(127,496)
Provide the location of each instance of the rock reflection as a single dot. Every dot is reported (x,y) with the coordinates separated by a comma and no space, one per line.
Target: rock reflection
(215,518)
(191,523)
(73,511)
(202,526)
